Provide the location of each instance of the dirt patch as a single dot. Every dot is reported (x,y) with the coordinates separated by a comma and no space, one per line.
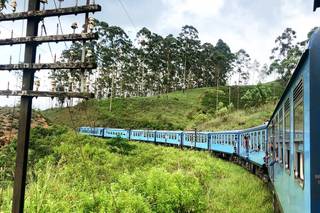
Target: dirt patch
(9,123)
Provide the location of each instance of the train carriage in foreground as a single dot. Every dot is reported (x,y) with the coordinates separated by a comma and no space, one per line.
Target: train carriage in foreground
(288,146)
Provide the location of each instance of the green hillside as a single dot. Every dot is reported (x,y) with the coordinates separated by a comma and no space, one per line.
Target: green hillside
(74,173)
(195,108)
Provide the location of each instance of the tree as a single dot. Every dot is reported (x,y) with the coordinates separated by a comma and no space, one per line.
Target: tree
(241,69)
(150,66)
(285,55)
(190,45)
(223,65)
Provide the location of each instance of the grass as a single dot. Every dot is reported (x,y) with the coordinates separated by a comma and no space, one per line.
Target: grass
(175,111)
(74,173)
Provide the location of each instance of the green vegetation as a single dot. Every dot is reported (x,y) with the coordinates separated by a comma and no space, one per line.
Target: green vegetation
(195,108)
(74,173)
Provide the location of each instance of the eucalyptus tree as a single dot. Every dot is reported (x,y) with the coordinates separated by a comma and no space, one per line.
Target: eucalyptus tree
(170,57)
(114,51)
(223,65)
(285,55)
(190,49)
(241,69)
(208,64)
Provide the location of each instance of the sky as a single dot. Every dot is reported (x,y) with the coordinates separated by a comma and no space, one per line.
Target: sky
(249,24)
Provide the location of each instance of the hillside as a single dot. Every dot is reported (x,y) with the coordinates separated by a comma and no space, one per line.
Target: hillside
(193,109)
(9,123)
(74,173)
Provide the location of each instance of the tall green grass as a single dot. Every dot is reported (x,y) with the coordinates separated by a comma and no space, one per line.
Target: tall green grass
(74,173)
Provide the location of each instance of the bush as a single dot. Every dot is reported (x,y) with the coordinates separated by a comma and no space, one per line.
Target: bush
(256,96)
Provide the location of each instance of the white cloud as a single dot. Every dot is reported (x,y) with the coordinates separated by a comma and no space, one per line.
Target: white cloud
(181,12)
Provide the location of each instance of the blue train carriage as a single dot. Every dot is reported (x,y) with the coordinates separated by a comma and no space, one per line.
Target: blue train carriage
(93,131)
(253,144)
(195,139)
(116,133)
(294,137)
(169,137)
(143,135)
(225,141)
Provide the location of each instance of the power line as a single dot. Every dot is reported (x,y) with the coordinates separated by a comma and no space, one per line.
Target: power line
(59,20)
(45,31)
(127,13)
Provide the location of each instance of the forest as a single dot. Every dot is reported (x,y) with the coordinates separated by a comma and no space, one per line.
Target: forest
(151,64)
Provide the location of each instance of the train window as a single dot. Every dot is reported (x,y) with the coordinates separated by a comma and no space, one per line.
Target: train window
(263,140)
(280,136)
(287,128)
(259,142)
(298,133)
(276,138)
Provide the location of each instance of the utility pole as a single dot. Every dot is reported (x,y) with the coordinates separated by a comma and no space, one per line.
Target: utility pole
(34,15)
(25,114)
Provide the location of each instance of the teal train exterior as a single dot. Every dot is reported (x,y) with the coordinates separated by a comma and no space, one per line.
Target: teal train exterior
(287,148)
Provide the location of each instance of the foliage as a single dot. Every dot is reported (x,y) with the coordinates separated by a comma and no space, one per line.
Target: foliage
(85,174)
(173,111)
(257,96)
(287,53)
(150,66)
(208,100)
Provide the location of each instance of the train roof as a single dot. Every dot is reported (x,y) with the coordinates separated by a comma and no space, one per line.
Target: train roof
(263,126)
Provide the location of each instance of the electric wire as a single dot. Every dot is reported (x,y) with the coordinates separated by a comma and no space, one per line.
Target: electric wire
(45,32)
(60,24)
(127,13)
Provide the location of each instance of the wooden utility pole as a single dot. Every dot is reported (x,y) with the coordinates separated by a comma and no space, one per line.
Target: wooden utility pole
(34,15)
(25,114)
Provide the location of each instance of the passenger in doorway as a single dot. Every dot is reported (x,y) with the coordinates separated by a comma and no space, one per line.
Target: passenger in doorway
(246,144)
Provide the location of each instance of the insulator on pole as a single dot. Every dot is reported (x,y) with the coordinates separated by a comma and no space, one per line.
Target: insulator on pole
(14,5)
(1,6)
(89,54)
(37,84)
(44,2)
(91,24)
(53,84)
(74,26)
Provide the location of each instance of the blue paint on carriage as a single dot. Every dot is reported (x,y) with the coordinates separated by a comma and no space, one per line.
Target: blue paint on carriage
(143,135)
(115,133)
(228,149)
(168,137)
(257,157)
(98,132)
(257,144)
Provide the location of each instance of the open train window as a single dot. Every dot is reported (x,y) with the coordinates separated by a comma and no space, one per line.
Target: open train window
(286,133)
(299,134)
(276,138)
(280,136)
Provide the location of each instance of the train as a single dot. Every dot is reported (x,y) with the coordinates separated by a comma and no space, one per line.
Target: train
(286,148)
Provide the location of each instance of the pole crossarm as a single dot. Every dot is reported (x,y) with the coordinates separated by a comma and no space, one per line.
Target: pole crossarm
(49,66)
(49,13)
(31,93)
(51,38)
